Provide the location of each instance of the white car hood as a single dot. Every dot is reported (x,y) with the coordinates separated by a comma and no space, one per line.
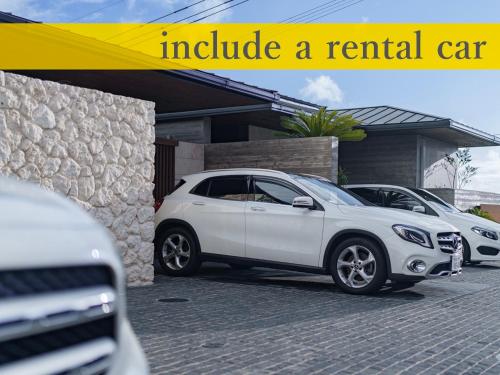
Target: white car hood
(397,216)
(473,220)
(39,228)
(26,205)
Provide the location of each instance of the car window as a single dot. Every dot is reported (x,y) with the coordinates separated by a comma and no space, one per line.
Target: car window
(232,188)
(267,191)
(372,195)
(400,200)
(329,191)
(434,199)
(202,188)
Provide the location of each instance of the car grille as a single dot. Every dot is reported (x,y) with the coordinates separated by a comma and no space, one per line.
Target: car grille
(34,281)
(450,243)
(57,313)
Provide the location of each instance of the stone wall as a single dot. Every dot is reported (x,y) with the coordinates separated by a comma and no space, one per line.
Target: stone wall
(94,147)
(316,155)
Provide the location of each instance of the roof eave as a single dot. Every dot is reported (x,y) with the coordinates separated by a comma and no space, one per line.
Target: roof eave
(185,115)
(492,139)
(481,138)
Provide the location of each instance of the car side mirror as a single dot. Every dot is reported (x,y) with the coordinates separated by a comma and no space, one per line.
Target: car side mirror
(303,202)
(419,209)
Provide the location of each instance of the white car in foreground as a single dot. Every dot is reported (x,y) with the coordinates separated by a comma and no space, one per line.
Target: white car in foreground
(480,237)
(62,292)
(252,217)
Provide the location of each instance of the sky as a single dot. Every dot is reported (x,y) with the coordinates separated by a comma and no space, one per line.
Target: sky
(470,97)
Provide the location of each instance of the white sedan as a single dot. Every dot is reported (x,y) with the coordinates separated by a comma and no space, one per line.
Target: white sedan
(481,237)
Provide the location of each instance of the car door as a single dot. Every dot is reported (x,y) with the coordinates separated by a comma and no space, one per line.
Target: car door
(277,231)
(217,214)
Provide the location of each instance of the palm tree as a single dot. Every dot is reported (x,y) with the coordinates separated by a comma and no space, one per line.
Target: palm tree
(322,123)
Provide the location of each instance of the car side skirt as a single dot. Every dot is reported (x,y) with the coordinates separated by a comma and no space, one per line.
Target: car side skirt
(208,257)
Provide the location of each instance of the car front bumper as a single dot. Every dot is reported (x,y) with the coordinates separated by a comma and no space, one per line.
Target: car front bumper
(129,359)
(403,253)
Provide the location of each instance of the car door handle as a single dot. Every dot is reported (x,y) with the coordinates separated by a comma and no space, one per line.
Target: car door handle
(199,203)
(260,209)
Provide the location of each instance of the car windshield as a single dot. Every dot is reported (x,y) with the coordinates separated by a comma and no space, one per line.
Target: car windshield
(328,191)
(436,200)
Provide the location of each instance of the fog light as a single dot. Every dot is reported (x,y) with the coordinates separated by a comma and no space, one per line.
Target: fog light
(417,266)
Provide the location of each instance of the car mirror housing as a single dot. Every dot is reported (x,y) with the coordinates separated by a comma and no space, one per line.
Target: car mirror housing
(303,202)
(419,209)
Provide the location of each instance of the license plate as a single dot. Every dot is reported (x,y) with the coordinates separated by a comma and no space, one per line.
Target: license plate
(456,261)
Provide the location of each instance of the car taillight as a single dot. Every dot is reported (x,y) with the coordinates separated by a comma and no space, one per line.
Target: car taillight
(158,204)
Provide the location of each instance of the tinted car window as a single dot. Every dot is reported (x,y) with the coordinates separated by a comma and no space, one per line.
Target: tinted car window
(202,188)
(396,199)
(432,198)
(230,188)
(370,194)
(271,192)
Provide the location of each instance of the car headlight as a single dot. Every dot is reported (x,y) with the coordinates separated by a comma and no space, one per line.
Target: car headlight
(485,233)
(412,234)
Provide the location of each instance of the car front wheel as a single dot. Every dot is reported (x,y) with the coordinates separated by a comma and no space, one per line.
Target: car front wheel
(358,266)
(177,252)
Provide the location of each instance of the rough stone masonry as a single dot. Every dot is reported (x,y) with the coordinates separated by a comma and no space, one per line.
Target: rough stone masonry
(94,147)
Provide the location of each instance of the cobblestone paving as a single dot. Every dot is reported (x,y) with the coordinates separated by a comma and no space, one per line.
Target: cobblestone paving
(274,322)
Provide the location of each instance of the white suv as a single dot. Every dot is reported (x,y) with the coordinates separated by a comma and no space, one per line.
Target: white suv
(481,237)
(252,217)
(62,293)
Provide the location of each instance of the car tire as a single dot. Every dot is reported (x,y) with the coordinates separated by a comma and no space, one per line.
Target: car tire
(466,252)
(358,266)
(177,252)
(240,267)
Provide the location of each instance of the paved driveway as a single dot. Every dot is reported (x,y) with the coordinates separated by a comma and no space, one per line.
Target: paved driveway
(265,322)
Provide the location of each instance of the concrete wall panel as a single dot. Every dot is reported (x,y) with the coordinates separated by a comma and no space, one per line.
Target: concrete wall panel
(317,156)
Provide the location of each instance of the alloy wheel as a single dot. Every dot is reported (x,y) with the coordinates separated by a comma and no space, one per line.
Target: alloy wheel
(176,251)
(356,266)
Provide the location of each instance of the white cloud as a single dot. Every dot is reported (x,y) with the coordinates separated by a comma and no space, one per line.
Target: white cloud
(365,19)
(322,90)
(488,176)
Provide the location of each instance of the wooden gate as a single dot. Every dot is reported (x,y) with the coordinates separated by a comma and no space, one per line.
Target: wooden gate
(164,167)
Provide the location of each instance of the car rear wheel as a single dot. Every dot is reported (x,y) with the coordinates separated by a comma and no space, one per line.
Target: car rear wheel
(358,266)
(177,252)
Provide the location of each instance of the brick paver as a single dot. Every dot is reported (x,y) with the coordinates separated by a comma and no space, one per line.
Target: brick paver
(276,322)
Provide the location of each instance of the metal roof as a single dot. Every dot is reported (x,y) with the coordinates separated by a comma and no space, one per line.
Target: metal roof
(398,120)
(12,18)
(385,114)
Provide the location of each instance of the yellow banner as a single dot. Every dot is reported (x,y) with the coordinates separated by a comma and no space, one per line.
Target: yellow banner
(249,46)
